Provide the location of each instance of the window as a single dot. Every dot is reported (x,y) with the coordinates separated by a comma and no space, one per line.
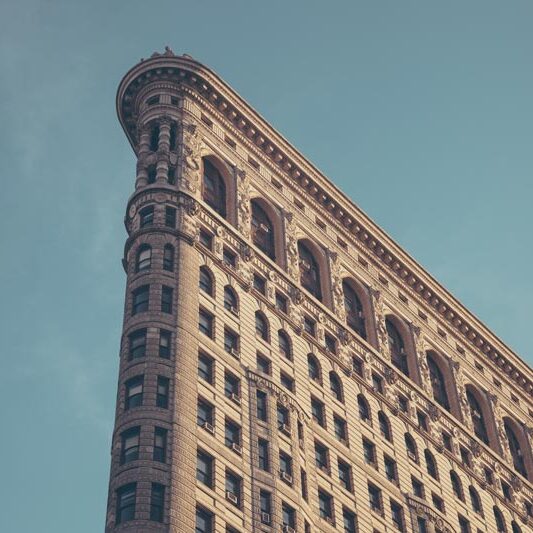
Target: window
(288,515)
(515,449)
(374,498)
(285,467)
(164,343)
(206,281)
(349,521)
(205,323)
(137,341)
(144,258)
(166,299)
(390,469)
(438,502)
(286,381)
(357,366)
(262,407)
(229,258)
(309,271)
(330,343)
(335,386)
(318,412)
(489,476)
(339,426)
(284,344)
(397,348)
(231,342)
(213,188)
(506,490)
(418,487)
(168,258)
(204,521)
(129,445)
(465,457)
(265,504)
(146,216)
(170,217)
(154,134)
(126,496)
(403,403)
(232,387)
(515,528)
(410,446)
(422,420)
(281,302)
(476,414)
(161,397)
(261,326)
(354,310)
(152,174)
(457,486)
(283,419)
(205,368)
(431,464)
(438,384)
(313,368)
(134,392)
(309,326)
(475,500)
(160,445)
(232,435)
(364,409)
(369,452)
(264,365)
(141,297)
(422,526)
(263,455)
(500,521)
(173,136)
(321,456)
(447,441)
(397,515)
(384,426)
(204,414)
(230,300)
(157,502)
(377,383)
(345,475)
(206,239)
(325,505)
(464,525)
(204,468)
(259,284)
(303,483)
(233,488)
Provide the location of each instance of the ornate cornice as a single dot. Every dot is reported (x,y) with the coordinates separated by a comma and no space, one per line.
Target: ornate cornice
(190,75)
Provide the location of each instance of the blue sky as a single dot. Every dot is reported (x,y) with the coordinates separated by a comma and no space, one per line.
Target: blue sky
(420,111)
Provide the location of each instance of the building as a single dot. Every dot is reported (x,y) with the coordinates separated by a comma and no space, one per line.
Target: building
(284,365)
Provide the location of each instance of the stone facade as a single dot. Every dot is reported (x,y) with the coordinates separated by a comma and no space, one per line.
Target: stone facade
(341,388)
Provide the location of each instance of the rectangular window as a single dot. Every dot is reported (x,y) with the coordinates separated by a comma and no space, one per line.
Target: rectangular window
(233,488)
(232,387)
(325,505)
(259,284)
(263,455)
(349,521)
(140,299)
(465,457)
(204,414)
(134,392)
(369,452)
(285,467)
(321,457)
(340,428)
(205,367)
(137,341)
(303,483)
(160,445)
(231,342)
(284,423)
(288,515)
(265,504)
(330,343)
(166,299)
(422,420)
(309,326)
(377,383)
(318,412)
(126,497)
(204,521)
(391,470)
(403,403)
(447,441)
(281,303)
(170,217)
(286,381)
(262,411)
(374,498)
(418,487)
(146,216)
(157,502)
(205,323)
(168,258)
(129,449)
(345,475)
(263,364)
(229,258)
(204,468)
(357,366)
(397,516)
(164,343)
(161,398)
(422,525)
(232,435)
(438,502)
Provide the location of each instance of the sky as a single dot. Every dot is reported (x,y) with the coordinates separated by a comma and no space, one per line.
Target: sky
(420,111)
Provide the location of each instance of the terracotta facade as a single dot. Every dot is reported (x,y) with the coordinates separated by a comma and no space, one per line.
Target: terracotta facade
(284,364)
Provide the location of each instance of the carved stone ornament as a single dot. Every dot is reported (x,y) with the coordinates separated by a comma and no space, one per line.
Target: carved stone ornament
(338,293)
(391,376)
(193,208)
(322,318)
(297,296)
(344,336)
(516,483)
(192,149)
(247,253)
(293,263)
(244,217)
(420,348)
(272,276)
(187,224)
(221,232)
(379,312)
(434,412)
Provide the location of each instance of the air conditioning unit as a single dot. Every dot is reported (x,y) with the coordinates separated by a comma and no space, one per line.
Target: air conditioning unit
(288,529)
(231,497)
(233,309)
(236,448)
(234,352)
(285,428)
(285,476)
(265,518)
(208,427)
(235,398)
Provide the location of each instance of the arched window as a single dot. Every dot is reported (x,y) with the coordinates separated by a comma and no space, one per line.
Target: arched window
(410,446)
(396,347)
(214,188)
(262,230)
(475,500)
(364,409)
(284,344)
(515,527)
(384,426)
(515,449)
(335,386)
(144,258)
(457,486)
(438,384)
(476,414)
(354,310)
(431,464)
(206,281)
(313,368)
(168,258)
(500,521)
(230,300)
(309,271)
(261,326)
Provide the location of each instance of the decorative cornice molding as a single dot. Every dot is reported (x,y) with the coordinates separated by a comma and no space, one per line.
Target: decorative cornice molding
(188,74)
